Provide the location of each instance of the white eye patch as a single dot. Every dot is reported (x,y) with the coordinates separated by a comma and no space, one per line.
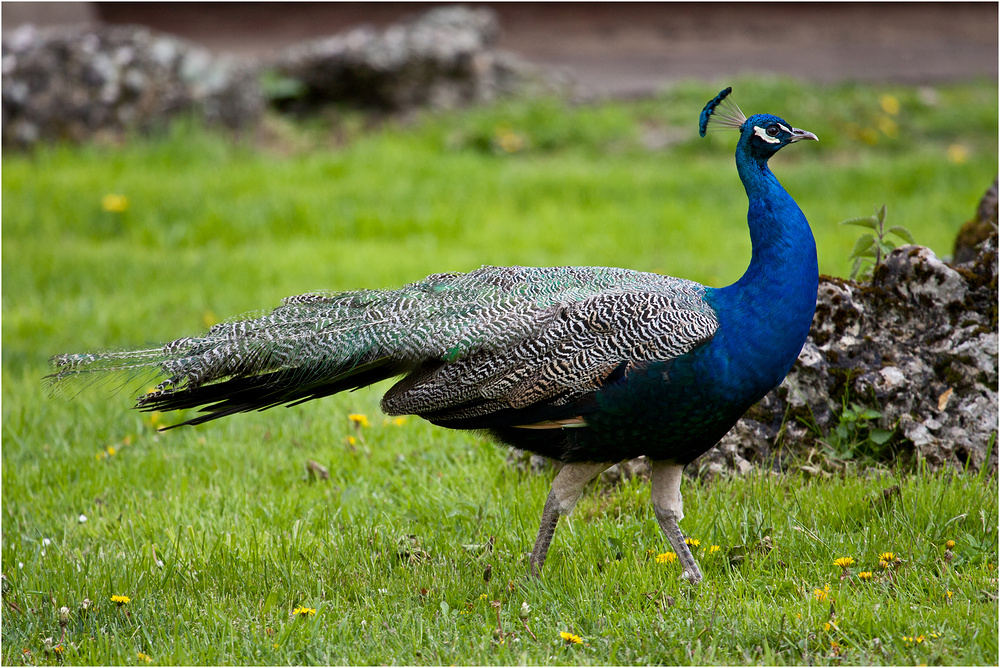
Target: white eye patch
(762,133)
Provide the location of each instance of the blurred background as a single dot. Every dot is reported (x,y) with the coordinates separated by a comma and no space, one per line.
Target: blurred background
(616,48)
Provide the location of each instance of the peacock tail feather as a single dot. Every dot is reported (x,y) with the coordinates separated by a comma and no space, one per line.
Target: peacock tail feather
(474,342)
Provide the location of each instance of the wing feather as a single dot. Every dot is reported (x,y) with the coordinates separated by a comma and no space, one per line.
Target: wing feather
(571,352)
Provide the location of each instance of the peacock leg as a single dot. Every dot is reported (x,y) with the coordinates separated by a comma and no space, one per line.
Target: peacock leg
(669,511)
(567,488)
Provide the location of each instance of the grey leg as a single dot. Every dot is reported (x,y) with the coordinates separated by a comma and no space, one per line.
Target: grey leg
(567,488)
(669,511)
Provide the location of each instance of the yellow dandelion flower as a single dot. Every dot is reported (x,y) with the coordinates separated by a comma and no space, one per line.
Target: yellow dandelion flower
(887,556)
(693,542)
(889,104)
(950,544)
(822,594)
(399,421)
(826,626)
(949,594)
(883,564)
(154,419)
(843,562)
(570,638)
(143,657)
(666,558)
(865,575)
(111,451)
(957,154)
(713,548)
(352,440)
(508,140)
(119,599)
(304,612)
(114,203)
(887,126)
(359,419)
(868,136)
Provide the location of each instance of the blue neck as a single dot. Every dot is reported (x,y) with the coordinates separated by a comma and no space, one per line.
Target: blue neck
(765,316)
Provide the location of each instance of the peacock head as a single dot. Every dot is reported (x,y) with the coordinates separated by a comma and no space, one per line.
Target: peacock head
(761,135)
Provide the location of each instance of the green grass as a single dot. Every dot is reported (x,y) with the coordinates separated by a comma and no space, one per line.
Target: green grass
(217,534)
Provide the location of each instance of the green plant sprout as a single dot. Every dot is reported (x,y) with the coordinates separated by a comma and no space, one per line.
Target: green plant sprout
(871,248)
(857,434)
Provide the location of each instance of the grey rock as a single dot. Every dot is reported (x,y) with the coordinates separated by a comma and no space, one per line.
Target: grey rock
(443,58)
(623,471)
(936,282)
(977,229)
(75,83)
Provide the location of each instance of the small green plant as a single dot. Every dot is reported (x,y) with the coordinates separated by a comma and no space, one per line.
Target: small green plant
(871,248)
(857,435)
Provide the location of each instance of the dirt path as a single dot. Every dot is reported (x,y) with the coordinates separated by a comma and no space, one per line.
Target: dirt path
(632,48)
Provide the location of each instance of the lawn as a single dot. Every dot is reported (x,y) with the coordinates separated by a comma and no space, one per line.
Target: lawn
(413,551)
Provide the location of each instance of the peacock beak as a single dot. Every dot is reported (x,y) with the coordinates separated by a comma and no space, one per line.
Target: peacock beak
(799,135)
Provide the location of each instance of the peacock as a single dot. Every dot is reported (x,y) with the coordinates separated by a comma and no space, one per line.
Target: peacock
(588,366)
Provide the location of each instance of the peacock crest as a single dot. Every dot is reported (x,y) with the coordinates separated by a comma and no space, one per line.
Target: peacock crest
(721,113)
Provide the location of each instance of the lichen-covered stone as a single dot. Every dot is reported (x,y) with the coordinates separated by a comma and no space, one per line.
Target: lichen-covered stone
(978,229)
(78,83)
(84,82)
(443,58)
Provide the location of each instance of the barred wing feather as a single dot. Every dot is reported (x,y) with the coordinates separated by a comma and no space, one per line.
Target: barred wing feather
(573,349)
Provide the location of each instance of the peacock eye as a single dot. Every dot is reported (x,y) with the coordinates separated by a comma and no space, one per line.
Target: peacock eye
(773,130)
